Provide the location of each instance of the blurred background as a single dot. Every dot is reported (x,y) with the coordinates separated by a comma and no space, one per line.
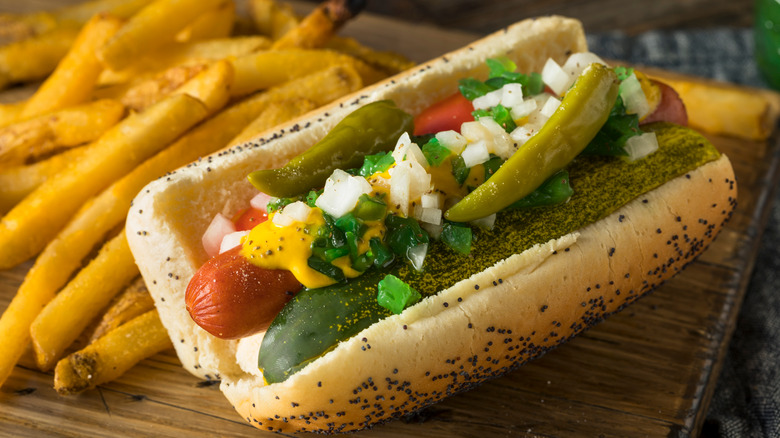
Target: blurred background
(631,17)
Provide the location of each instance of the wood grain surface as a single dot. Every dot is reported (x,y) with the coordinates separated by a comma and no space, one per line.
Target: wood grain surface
(647,371)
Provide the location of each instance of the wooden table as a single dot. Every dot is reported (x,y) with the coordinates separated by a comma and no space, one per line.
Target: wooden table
(648,371)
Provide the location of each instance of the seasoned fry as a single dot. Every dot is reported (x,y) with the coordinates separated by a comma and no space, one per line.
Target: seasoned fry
(272,18)
(320,25)
(388,62)
(131,302)
(274,114)
(727,109)
(16,27)
(68,314)
(148,92)
(33,58)
(262,70)
(42,135)
(19,181)
(73,81)
(217,23)
(31,224)
(10,112)
(212,86)
(112,355)
(152,27)
(26,229)
(180,55)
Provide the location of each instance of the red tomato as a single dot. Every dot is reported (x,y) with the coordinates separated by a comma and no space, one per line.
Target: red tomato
(445,115)
(249,218)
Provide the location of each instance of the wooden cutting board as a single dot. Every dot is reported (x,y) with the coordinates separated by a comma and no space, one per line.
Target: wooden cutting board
(647,371)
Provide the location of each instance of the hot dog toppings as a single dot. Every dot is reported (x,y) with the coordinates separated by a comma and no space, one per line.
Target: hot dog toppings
(509,153)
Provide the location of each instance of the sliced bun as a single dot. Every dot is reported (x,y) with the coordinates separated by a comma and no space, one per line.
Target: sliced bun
(450,341)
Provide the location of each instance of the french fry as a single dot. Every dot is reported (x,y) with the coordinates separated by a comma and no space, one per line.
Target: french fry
(34,58)
(17,27)
(42,135)
(272,18)
(32,224)
(131,302)
(10,112)
(179,55)
(66,316)
(73,81)
(217,23)
(319,25)
(727,109)
(146,93)
(275,113)
(153,26)
(112,355)
(211,86)
(19,181)
(265,69)
(82,12)
(388,62)
(26,229)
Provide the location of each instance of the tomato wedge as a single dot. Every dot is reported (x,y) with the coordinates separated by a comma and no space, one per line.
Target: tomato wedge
(445,115)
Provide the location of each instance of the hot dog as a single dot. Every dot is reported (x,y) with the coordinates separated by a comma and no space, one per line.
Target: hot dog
(513,303)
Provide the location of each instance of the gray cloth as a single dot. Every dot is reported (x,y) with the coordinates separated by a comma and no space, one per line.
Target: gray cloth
(746,402)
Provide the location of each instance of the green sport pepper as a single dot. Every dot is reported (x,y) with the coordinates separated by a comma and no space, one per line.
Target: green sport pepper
(368,130)
(584,109)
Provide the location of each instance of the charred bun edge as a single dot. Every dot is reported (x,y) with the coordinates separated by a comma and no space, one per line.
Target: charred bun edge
(543,304)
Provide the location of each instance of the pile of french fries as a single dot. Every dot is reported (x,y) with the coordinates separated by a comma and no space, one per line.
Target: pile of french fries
(132,89)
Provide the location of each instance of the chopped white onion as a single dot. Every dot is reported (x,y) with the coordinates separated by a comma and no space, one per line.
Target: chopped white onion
(642,145)
(260,201)
(232,240)
(486,222)
(215,232)
(523,109)
(420,182)
(499,142)
(475,153)
(555,77)
(406,150)
(400,184)
(431,216)
(282,219)
(634,97)
(416,255)
(475,131)
(434,231)
(452,140)
(298,210)
(521,134)
(431,200)
(578,62)
(511,95)
(488,101)
(341,193)
(550,106)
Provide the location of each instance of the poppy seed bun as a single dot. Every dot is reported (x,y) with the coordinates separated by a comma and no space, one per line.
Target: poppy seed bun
(436,347)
